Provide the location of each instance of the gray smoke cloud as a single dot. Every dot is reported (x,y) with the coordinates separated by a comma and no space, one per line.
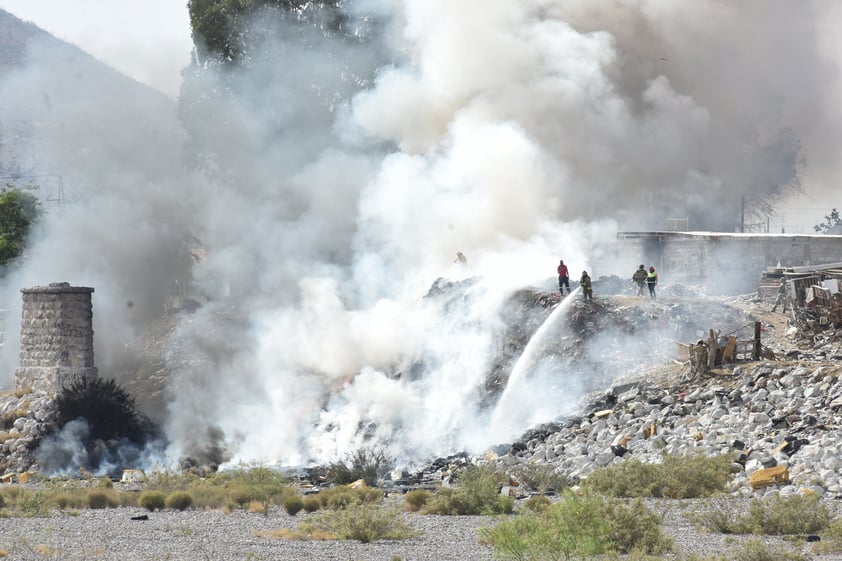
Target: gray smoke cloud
(65,453)
(517,133)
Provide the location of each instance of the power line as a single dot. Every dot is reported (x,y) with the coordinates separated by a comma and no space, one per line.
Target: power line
(63,185)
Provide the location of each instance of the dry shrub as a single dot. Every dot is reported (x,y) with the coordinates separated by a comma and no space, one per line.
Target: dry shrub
(179,500)
(368,464)
(537,503)
(361,522)
(279,534)
(477,492)
(98,499)
(541,478)
(256,507)
(127,499)
(8,419)
(20,392)
(756,550)
(798,514)
(676,477)
(49,552)
(290,534)
(579,527)
(168,481)
(831,539)
(311,504)
(29,503)
(416,499)
(343,496)
(104,483)
(209,497)
(263,485)
(293,505)
(152,500)
(64,500)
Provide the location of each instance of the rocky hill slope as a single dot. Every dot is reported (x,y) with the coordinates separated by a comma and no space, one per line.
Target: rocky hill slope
(66,113)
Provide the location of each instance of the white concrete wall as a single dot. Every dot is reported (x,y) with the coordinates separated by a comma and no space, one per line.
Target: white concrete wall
(721,263)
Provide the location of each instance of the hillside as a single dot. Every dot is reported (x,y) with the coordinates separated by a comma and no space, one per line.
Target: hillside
(22,41)
(64,110)
(14,35)
(105,153)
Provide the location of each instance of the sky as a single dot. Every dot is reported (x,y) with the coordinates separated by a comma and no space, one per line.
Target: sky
(148,40)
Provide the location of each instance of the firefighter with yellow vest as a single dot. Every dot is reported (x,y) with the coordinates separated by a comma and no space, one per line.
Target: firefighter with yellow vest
(652,281)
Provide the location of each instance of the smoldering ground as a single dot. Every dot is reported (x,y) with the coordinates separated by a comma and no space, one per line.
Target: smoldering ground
(339,178)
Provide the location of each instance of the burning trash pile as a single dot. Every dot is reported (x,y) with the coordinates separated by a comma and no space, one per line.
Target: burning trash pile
(811,298)
(819,320)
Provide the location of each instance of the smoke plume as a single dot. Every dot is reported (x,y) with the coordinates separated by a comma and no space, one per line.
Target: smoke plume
(338,180)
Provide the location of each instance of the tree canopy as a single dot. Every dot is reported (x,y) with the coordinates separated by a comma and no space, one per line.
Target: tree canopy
(830,221)
(270,74)
(19,210)
(223,30)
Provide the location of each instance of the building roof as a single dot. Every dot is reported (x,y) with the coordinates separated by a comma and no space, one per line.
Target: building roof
(719,235)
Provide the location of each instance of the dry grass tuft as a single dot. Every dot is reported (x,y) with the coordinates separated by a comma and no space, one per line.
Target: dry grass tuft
(47,551)
(289,534)
(257,507)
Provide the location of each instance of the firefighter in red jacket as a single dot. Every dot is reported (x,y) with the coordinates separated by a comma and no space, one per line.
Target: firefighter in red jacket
(563,278)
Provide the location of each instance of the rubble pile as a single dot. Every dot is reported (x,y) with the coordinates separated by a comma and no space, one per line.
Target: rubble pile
(777,419)
(612,337)
(25,420)
(763,414)
(812,330)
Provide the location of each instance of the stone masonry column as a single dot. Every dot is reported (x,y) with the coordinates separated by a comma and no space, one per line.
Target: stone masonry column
(56,337)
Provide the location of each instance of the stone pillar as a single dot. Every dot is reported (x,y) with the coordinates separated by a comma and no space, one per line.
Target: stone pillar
(56,337)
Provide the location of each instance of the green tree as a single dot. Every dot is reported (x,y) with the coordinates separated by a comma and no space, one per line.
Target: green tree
(830,220)
(270,74)
(19,210)
(227,31)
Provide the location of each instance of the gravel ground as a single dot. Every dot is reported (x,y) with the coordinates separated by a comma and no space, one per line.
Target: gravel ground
(108,535)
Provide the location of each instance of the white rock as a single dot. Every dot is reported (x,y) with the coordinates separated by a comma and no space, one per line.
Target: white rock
(752,465)
(604,458)
(787,490)
(831,462)
(718,413)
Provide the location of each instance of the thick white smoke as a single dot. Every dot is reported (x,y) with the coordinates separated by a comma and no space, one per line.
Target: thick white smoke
(516,132)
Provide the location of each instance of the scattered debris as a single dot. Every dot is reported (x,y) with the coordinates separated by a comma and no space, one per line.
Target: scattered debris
(778,475)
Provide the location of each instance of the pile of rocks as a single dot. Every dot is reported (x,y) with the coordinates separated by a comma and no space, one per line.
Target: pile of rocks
(764,414)
(24,419)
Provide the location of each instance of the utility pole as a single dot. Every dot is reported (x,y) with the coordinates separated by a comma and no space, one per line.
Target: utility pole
(742,214)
